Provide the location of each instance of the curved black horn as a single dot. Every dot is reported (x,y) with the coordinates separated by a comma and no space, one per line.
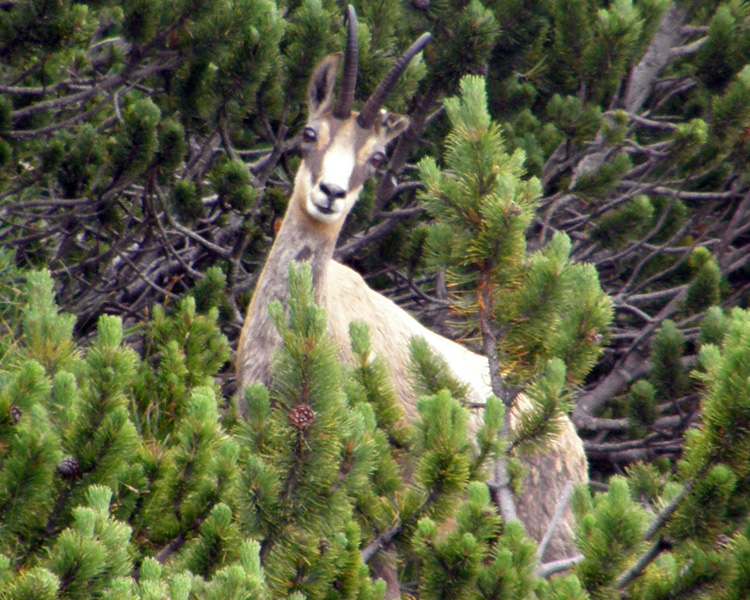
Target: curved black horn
(343,107)
(370,110)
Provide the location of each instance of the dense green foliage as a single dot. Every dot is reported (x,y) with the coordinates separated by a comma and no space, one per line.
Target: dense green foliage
(146,151)
(109,491)
(101,479)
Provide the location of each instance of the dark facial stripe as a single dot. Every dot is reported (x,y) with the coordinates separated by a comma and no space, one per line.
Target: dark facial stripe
(335,127)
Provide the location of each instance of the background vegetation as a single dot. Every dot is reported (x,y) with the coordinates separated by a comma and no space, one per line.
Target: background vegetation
(146,151)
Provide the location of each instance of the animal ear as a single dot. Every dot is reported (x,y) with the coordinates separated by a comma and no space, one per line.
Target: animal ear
(393,125)
(320,88)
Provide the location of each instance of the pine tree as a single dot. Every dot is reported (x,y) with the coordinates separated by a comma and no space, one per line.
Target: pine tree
(539,316)
(145,152)
(141,486)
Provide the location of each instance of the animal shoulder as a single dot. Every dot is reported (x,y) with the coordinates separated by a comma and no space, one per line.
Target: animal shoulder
(348,298)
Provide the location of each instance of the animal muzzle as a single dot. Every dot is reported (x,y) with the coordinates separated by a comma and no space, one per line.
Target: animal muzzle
(327,202)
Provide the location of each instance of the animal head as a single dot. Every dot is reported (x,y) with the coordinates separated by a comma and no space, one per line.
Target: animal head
(342,148)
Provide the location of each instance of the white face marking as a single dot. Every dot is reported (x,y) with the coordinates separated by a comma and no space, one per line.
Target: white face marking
(337,167)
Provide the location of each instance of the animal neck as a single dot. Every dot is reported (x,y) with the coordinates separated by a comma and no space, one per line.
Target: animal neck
(302,239)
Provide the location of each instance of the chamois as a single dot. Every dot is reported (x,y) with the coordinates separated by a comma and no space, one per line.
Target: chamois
(341,149)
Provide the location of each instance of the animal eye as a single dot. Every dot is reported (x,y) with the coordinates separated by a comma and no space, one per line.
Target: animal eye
(377,160)
(309,135)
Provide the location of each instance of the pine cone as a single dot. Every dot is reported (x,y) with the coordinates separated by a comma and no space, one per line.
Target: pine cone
(68,468)
(15,415)
(323,546)
(301,417)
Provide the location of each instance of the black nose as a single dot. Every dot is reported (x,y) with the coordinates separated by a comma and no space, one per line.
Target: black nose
(332,191)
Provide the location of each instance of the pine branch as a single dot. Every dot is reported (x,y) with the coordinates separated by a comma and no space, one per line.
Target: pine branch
(629,457)
(14,90)
(63,101)
(736,225)
(386,537)
(205,153)
(658,54)
(558,566)
(226,141)
(683,195)
(649,298)
(687,49)
(632,285)
(501,490)
(381,541)
(638,87)
(143,277)
(627,369)
(643,561)
(102,86)
(209,245)
(652,123)
(374,233)
(637,312)
(49,203)
(177,542)
(665,513)
(408,293)
(417,122)
(562,504)
(172,547)
(44,131)
(264,167)
(623,424)
(558,162)
(162,233)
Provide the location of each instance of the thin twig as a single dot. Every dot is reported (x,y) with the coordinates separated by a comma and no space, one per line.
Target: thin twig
(643,561)
(380,542)
(665,513)
(558,566)
(562,504)
(501,491)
